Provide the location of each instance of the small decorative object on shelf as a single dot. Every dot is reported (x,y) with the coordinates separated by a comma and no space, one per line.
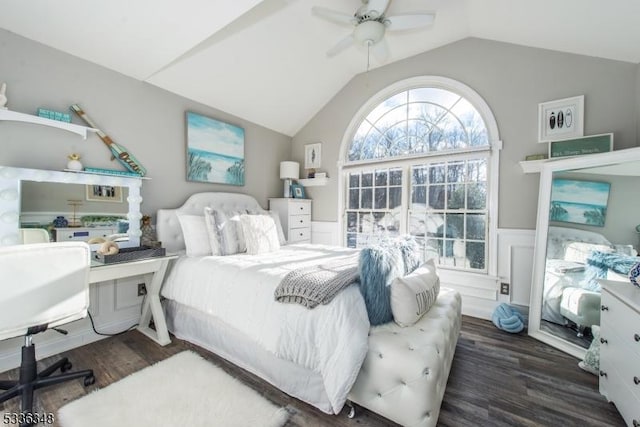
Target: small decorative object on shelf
(60,222)
(112,172)
(320,175)
(75,204)
(148,237)
(54,115)
(74,163)
(311,173)
(298,191)
(535,157)
(3,96)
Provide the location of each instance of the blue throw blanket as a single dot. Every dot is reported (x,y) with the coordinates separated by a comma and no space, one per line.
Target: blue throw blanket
(598,263)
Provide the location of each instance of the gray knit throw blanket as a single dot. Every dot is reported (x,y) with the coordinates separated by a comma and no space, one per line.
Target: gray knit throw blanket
(318,284)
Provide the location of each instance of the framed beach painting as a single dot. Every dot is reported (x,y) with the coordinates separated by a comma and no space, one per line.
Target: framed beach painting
(215,151)
(579,202)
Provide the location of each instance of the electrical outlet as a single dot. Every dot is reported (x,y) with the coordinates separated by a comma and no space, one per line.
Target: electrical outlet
(504,288)
(142,289)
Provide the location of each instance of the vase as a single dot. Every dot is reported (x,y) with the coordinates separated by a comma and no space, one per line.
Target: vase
(74,165)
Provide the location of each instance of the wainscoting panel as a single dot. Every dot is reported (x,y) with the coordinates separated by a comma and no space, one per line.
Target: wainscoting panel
(325,233)
(515,263)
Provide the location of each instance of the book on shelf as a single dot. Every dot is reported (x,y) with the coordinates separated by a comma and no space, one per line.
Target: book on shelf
(112,172)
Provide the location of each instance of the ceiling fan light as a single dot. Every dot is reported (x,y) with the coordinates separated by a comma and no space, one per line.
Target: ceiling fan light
(369,32)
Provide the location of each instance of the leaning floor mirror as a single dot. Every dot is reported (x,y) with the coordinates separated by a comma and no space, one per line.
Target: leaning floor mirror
(588,216)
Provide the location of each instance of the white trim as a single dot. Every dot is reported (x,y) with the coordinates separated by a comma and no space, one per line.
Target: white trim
(493,135)
(325,233)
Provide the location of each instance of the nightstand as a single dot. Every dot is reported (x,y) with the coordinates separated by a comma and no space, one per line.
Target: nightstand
(295,217)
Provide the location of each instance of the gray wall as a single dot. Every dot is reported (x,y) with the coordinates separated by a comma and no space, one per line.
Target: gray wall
(148,121)
(512,80)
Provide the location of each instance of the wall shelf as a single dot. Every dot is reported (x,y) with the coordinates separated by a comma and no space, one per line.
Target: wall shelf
(313,182)
(28,118)
(532,166)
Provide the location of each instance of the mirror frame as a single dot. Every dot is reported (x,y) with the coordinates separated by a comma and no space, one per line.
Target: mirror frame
(542,225)
(10,198)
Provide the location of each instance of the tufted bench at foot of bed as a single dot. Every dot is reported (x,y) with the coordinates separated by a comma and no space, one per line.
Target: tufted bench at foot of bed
(405,372)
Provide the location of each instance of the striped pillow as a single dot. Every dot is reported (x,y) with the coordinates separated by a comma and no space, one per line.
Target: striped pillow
(230,234)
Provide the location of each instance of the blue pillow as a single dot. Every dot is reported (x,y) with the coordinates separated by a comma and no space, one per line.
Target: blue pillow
(508,318)
(378,266)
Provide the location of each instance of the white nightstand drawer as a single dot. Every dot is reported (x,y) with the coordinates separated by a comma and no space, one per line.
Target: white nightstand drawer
(81,234)
(299,235)
(616,352)
(620,315)
(299,207)
(299,221)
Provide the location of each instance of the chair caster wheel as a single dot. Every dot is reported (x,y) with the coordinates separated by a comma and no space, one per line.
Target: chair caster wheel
(89,380)
(66,367)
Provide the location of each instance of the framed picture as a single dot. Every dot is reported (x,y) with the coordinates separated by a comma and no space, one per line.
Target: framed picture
(297,191)
(579,146)
(561,119)
(215,151)
(579,202)
(104,193)
(313,156)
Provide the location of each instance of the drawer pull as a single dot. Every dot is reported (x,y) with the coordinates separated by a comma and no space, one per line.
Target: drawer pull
(604,308)
(301,208)
(636,337)
(636,380)
(603,341)
(603,374)
(301,221)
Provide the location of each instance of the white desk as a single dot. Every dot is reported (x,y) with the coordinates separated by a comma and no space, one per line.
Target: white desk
(154,268)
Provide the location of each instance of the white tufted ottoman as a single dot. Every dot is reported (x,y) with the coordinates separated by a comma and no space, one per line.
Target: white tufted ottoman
(405,373)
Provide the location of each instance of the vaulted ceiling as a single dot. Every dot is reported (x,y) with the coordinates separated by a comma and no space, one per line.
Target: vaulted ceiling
(265,60)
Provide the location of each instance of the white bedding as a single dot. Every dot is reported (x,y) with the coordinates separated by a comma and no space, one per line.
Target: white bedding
(238,289)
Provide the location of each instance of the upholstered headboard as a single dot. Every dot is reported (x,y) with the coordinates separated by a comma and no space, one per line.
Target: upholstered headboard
(167,224)
(558,237)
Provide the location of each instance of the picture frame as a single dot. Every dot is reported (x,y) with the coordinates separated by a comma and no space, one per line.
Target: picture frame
(215,151)
(313,156)
(103,193)
(592,144)
(579,202)
(297,191)
(561,119)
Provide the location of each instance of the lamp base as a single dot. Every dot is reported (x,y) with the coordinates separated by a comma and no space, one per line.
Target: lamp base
(287,188)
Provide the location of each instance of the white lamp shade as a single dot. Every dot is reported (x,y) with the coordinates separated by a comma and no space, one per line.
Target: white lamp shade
(289,170)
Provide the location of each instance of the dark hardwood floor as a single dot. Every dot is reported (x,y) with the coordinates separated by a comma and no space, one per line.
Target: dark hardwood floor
(497,379)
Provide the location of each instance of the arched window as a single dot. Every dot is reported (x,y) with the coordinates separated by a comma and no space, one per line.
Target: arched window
(419,159)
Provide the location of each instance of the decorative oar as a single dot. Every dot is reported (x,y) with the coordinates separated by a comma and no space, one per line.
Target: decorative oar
(118,151)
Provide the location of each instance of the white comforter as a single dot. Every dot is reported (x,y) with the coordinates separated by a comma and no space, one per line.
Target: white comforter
(238,289)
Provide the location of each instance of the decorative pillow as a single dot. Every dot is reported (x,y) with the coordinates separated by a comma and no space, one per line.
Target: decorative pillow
(276,219)
(379,266)
(410,252)
(260,233)
(413,295)
(212,231)
(591,362)
(580,251)
(196,238)
(229,231)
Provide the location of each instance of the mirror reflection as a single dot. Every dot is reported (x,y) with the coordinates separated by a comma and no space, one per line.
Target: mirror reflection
(591,235)
(75,212)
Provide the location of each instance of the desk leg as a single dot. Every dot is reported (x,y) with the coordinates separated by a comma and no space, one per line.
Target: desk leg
(153,309)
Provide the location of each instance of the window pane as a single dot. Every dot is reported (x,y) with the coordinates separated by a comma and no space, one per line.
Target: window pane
(367,179)
(436,173)
(418,175)
(475,255)
(477,170)
(354,199)
(354,180)
(477,196)
(476,225)
(395,197)
(366,200)
(395,177)
(455,172)
(381,198)
(455,196)
(352,222)
(381,178)
(417,224)
(455,225)
(419,197)
(436,197)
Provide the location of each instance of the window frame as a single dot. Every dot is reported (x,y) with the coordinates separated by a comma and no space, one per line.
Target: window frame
(495,145)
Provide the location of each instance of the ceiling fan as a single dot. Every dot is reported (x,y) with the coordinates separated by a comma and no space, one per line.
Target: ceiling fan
(370,24)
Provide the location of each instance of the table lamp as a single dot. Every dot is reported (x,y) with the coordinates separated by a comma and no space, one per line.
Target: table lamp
(289,171)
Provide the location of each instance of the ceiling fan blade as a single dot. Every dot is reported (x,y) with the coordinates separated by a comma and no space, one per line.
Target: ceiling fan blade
(380,51)
(333,16)
(340,46)
(409,21)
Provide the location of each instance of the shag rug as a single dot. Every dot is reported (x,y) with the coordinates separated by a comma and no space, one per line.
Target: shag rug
(184,390)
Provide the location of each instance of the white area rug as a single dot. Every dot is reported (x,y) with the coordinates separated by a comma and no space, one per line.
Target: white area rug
(184,390)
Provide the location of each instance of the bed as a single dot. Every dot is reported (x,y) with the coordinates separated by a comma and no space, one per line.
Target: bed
(575,260)
(322,356)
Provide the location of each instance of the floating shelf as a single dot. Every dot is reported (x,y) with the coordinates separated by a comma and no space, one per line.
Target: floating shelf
(313,182)
(115,175)
(28,118)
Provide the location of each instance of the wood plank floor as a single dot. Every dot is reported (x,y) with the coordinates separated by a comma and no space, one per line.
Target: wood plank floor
(497,379)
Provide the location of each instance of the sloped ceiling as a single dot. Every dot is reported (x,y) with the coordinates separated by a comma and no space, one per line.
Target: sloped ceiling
(264,60)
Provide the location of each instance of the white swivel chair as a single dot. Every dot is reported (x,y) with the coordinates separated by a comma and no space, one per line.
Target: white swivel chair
(42,286)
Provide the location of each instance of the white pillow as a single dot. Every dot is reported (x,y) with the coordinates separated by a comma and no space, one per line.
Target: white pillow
(212,231)
(413,295)
(276,219)
(260,233)
(230,233)
(196,238)
(580,251)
